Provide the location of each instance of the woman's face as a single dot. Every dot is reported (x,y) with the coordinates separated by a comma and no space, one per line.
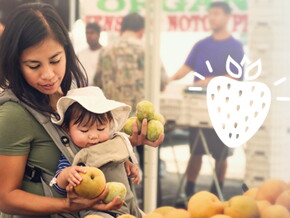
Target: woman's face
(43,66)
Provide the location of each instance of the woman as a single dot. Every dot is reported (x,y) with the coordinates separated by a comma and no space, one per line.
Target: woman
(38,65)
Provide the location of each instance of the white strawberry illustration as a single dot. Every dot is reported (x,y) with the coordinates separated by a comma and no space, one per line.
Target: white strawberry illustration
(237,109)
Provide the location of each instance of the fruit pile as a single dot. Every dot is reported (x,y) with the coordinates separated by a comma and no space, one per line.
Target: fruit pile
(93,184)
(145,110)
(270,200)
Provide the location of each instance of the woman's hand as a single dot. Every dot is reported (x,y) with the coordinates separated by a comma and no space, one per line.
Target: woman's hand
(137,139)
(133,172)
(76,203)
(114,205)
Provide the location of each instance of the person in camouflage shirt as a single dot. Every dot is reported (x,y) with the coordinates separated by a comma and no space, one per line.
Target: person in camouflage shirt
(120,72)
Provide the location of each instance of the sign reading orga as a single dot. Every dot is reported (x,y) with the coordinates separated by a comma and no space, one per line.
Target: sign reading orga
(178,15)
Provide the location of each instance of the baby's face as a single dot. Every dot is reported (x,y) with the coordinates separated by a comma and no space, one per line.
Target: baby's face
(85,136)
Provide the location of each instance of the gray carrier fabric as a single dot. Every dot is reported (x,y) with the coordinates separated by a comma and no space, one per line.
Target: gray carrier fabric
(68,149)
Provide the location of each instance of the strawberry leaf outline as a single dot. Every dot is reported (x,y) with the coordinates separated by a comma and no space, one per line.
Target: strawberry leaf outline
(230,61)
(257,64)
(247,65)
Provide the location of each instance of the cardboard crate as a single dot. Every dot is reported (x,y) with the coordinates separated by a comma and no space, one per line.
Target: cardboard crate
(254,179)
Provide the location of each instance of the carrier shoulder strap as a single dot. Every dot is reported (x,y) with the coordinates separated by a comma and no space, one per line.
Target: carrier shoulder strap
(58,135)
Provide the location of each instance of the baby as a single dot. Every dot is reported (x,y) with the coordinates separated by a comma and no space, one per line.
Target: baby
(93,122)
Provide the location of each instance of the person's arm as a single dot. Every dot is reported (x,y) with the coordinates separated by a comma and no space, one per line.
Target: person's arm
(137,139)
(66,174)
(188,65)
(205,82)
(58,185)
(70,175)
(182,72)
(133,172)
(163,79)
(13,200)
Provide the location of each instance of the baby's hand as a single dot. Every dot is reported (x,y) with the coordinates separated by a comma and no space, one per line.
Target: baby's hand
(73,176)
(133,172)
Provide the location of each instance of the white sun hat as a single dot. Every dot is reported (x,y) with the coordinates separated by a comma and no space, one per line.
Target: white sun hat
(93,99)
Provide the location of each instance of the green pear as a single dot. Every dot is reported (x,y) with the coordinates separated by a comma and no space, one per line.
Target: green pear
(115,189)
(159,117)
(154,130)
(93,183)
(128,127)
(145,110)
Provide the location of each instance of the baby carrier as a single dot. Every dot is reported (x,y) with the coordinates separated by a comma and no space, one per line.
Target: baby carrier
(59,137)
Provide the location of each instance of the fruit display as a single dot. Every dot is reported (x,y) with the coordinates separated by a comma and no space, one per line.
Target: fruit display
(153,215)
(241,206)
(126,216)
(284,199)
(220,216)
(270,190)
(178,213)
(207,203)
(93,216)
(252,192)
(275,211)
(155,125)
(262,205)
(115,189)
(93,183)
(270,200)
(164,210)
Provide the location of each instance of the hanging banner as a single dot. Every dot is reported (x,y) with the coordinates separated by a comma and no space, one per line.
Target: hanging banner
(177,15)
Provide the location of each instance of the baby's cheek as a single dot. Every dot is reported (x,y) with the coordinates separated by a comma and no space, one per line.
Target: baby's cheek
(79,141)
(105,137)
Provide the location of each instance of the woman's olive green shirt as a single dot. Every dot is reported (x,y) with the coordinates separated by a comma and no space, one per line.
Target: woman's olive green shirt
(21,134)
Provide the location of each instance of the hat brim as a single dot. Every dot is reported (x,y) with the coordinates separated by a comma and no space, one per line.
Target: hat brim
(120,111)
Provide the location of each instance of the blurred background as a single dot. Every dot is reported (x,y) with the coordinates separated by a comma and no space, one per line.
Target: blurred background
(263,29)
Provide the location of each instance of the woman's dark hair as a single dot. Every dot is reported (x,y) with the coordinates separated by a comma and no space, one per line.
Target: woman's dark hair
(82,116)
(133,21)
(27,26)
